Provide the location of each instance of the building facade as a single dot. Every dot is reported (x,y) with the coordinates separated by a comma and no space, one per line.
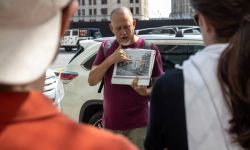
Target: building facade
(100,10)
(181,9)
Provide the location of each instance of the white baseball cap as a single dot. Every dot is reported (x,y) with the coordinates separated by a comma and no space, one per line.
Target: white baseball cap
(29,38)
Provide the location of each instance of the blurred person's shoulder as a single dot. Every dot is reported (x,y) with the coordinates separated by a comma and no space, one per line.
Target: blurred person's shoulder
(84,136)
(105,140)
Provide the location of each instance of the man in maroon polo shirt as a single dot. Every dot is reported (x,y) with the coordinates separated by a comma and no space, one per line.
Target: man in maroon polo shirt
(125,106)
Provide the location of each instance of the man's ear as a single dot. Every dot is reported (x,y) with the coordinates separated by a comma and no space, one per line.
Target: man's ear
(134,23)
(67,14)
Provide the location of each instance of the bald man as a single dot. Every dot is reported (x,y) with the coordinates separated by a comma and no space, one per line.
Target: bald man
(125,106)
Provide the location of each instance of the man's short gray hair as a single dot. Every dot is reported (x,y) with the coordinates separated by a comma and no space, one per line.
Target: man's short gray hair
(124,10)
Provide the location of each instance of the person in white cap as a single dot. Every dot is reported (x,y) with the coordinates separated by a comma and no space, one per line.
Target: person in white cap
(29,35)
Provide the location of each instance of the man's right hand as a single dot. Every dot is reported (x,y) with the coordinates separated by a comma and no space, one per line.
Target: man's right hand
(118,55)
(97,72)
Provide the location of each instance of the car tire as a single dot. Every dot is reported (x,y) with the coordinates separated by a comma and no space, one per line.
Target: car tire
(96,119)
(68,49)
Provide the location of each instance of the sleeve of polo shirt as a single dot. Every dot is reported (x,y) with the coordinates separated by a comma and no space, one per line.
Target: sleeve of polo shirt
(100,55)
(157,70)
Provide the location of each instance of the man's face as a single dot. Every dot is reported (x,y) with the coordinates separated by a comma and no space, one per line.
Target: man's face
(123,27)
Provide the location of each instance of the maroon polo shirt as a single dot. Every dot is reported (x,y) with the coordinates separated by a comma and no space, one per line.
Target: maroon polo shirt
(123,107)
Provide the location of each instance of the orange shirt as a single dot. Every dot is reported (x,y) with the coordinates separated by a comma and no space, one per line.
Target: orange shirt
(29,121)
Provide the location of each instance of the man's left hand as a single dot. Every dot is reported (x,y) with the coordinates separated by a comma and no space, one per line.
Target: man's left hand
(140,89)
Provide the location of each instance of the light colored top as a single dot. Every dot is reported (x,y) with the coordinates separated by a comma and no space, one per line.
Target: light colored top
(207,114)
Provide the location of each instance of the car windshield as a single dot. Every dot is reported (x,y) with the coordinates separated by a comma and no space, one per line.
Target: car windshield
(67,33)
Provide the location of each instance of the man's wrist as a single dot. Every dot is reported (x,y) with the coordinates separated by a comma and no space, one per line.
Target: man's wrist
(148,91)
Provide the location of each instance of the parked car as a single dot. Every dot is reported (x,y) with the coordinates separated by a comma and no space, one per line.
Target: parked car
(83,103)
(72,37)
(170,30)
(53,88)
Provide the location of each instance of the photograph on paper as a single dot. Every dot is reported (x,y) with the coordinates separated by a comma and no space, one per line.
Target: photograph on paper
(140,65)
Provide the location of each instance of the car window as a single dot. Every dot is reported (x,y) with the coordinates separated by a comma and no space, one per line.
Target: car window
(168,31)
(197,31)
(163,31)
(149,31)
(88,64)
(97,34)
(188,31)
(67,33)
(176,54)
(156,31)
(195,48)
(75,32)
(92,32)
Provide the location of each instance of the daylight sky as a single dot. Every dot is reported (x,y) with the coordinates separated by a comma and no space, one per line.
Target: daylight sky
(159,8)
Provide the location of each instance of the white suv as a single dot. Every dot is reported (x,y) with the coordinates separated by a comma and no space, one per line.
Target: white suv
(83,103)
(170,30)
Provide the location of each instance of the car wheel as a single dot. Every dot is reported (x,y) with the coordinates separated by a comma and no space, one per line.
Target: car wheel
(96,119)
(68,49)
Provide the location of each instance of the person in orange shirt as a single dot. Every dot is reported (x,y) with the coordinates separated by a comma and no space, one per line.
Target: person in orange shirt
(30,33)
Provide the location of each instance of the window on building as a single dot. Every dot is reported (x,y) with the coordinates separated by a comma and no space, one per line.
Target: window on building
(79,12)
(104,2)
(83,2)
(83,12)
(118,1)
(95,12)
(137,1)
(90,11)
(94,2)
(104,11)
(131,1)
(137,10)
(90,2)
(79,2)
(132,10)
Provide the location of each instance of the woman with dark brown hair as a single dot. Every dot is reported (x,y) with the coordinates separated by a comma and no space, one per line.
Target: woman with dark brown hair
(206,105)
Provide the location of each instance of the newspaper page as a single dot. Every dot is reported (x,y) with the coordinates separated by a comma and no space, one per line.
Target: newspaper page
(140,65)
